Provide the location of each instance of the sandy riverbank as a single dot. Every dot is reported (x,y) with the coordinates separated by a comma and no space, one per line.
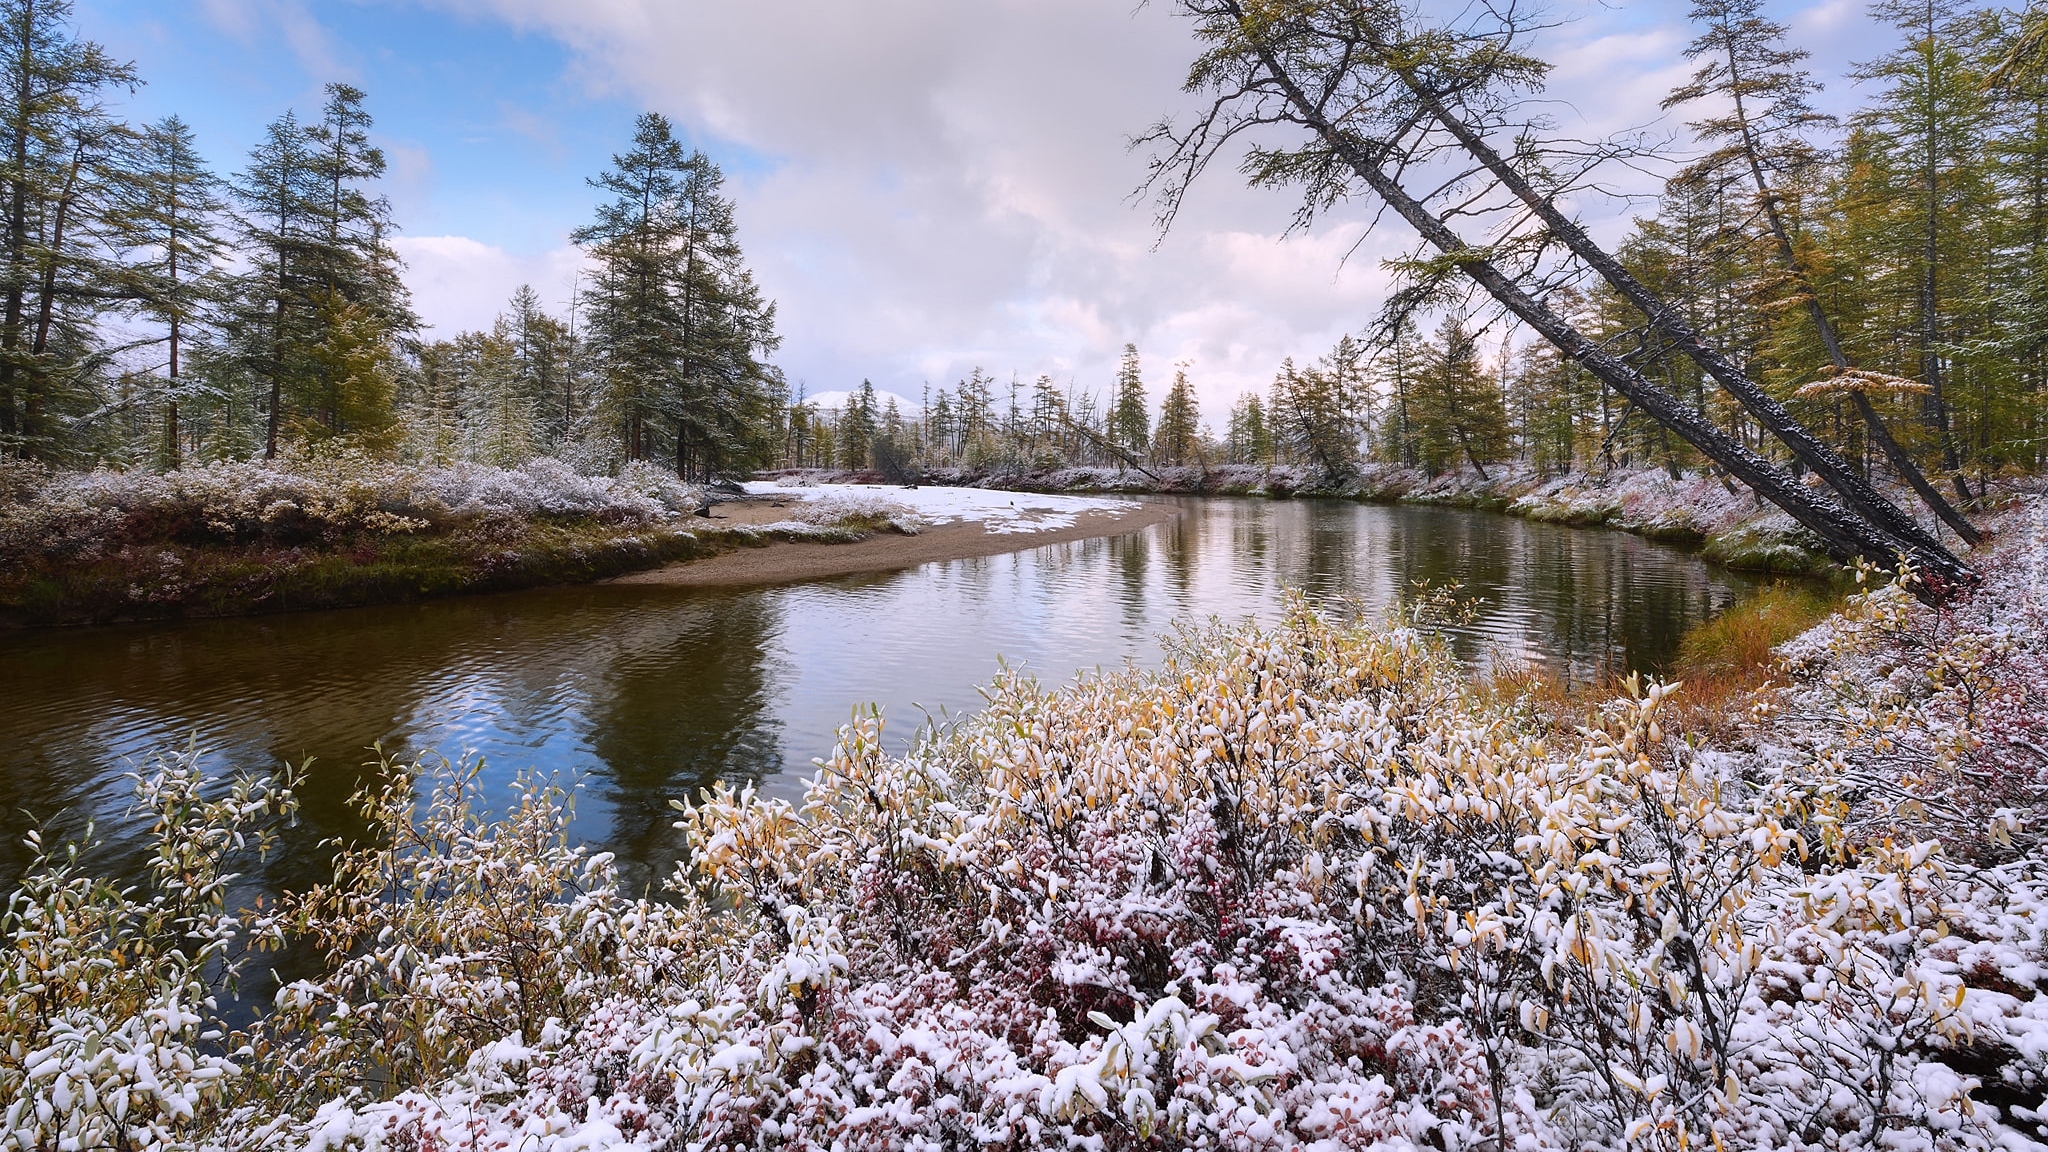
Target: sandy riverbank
(789,561)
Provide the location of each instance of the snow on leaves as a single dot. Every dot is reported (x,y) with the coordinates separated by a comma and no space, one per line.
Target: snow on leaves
(1305,887)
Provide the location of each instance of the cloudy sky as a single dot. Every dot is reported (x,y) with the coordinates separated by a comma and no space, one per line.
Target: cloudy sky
(923,185)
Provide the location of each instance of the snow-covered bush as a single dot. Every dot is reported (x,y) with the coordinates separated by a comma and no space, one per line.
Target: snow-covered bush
(312,500)
(856,511)
(111,1026)
(1939,715)
(1303,887)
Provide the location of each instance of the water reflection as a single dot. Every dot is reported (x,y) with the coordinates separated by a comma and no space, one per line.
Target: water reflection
(651,693)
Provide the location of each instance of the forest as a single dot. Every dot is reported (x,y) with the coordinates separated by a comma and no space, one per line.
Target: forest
(1886,269)
(1884,275)
(158,313)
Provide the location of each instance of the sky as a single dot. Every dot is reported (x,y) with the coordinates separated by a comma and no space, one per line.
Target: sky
(923,186)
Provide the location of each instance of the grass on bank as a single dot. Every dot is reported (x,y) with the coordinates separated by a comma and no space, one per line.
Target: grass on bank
(1722,662)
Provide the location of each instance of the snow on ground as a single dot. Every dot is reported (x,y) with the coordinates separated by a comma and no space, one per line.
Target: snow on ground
(998,512)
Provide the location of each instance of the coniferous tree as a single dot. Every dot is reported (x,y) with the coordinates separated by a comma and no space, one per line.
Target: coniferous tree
(1048,422)
(1458,411)
(1759,138)
(1928,123)
(855,429)
(316,317)
(1178,440)
(172,219)
(678,325)
(59,172)
(1130,424)
(270,320)
(1248,441)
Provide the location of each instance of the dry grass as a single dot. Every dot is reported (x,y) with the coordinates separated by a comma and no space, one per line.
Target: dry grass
(1723,663)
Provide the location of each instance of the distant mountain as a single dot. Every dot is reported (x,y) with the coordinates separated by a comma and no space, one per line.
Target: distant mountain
(834,401)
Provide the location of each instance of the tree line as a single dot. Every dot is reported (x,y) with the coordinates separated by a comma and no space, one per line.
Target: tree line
(1837,300)
(1881,277)
(155,312)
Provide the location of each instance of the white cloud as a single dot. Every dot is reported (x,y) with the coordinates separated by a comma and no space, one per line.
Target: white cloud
(459,284)
(930,185)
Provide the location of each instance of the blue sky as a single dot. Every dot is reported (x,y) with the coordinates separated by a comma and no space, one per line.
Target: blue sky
(489,132)
(924,185)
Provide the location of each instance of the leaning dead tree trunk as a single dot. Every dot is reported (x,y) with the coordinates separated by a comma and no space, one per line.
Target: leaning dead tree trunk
(1808,448)
(1257,85)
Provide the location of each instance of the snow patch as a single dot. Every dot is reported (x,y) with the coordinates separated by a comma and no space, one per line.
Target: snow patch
(1000,513)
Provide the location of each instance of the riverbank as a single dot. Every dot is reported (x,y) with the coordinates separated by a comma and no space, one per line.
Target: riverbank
(1727,523)
(946,528)
(232,539)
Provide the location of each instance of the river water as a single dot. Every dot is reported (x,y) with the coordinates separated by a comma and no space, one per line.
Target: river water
(648,693)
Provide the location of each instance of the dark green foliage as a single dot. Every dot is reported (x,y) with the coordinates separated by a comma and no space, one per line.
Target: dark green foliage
(678,328)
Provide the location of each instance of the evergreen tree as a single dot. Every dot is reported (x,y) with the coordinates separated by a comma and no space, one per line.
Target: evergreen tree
(172,218)
(1248,441)
(1178,440)
(1048,422)
(1312,409)
(1129,414)
(854,433)
(678,325)
(544,357)
(1457,410)
(976,400)
(1758,140)
(1928,123)
(1396,360)
(270,320)
(321,302)
(58,175)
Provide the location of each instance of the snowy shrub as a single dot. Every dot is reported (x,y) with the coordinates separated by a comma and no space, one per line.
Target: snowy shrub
(314,500)
(1302,887)
(114,1036)
(1939,715)
(856,511)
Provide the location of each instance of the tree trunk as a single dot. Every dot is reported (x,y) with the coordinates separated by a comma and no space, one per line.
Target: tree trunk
(1845,536)
(19,410)
(46,307)
(1788,255)
(1835,471)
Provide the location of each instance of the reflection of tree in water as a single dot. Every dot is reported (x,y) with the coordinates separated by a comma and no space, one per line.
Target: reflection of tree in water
(1604,604)
(1182,540)
(258,694)
(1250,538)
(1132,555)
(1473,552)
(1330,556)
(675,715)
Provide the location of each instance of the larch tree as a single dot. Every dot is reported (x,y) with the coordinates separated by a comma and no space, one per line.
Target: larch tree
(1757,135)
(1929,121)
(679,327)
(1457,409)
(172,218)
(58,176)
(1248,440)
(1378,98)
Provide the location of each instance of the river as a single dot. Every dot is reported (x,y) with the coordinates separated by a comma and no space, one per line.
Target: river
(649,693)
